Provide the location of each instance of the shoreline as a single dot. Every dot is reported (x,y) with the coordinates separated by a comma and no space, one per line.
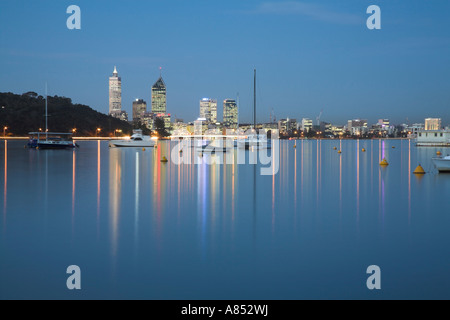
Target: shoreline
(121,138)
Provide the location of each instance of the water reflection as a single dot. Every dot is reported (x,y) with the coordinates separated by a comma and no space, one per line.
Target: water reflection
(5,185)
(115,198)
(99,161)
(357,180)
(74,160)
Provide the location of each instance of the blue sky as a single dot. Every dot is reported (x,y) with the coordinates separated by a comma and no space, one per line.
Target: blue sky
(310,55)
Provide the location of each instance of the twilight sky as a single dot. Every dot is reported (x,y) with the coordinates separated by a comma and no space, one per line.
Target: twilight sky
(309,55)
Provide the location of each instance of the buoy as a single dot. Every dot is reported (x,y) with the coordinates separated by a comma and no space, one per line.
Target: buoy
(143,149)
(334,148)
(363,150)
(419,170)
(384,162)
(37,148)
(339,151)
(164,159)
(439,153)
(295,146)
(393,147)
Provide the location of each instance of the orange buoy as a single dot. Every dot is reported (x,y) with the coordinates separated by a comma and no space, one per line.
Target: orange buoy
(339,151)
(384,162)
(363,150)
(419,170)
(439,153)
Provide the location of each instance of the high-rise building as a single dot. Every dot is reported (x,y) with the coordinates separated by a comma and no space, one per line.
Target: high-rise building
(159,97)
(115,94)
(433,124)
(139,110)
(208,110)
(230,114)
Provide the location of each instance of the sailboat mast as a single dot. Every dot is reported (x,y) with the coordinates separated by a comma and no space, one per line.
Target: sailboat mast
(46,115)
(254,100)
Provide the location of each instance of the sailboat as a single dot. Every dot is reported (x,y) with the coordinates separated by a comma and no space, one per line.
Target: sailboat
(50,140)
(254,140)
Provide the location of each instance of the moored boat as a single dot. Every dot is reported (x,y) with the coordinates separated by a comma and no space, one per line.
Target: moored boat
(137,140)
(442,164)
(51,140)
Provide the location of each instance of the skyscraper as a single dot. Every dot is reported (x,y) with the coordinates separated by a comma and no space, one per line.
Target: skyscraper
(230,114)
(159,97)
(115,94)
(208,110)
(139,110)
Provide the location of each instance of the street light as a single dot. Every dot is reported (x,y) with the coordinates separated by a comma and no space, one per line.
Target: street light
(4,131)
(98,131)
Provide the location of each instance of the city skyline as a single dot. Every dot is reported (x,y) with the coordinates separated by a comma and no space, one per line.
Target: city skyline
(309,56)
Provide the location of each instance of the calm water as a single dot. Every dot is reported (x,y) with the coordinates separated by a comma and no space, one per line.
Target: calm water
(139,228)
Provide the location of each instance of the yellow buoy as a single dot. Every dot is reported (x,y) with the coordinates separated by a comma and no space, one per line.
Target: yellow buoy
(384,162)
(439,153)
(363,150)
(419,170)
(164,159)
(295,146)
(334,148)
(393,147)
(339,151)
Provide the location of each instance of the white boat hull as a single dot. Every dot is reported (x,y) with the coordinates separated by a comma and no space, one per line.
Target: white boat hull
(442,164)
(132,144)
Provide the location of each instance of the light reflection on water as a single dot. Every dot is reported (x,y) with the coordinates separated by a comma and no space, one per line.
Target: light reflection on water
(140,228)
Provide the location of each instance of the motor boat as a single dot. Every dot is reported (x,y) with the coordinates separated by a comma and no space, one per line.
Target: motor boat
(442,164)
(137,140)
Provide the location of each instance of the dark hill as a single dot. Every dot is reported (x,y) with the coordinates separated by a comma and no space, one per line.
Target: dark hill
(26,113)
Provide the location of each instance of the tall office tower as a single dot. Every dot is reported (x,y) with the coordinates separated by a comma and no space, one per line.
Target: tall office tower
(115,94)
(230,114)
(159,99)
(208,110)
(433,124)
(139,110)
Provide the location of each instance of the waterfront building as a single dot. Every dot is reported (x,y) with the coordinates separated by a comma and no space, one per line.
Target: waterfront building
(433,138)
(307,125)
(357,127)
(287,125)
(115,94)
(139,110)
(230,114)
(433,124)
